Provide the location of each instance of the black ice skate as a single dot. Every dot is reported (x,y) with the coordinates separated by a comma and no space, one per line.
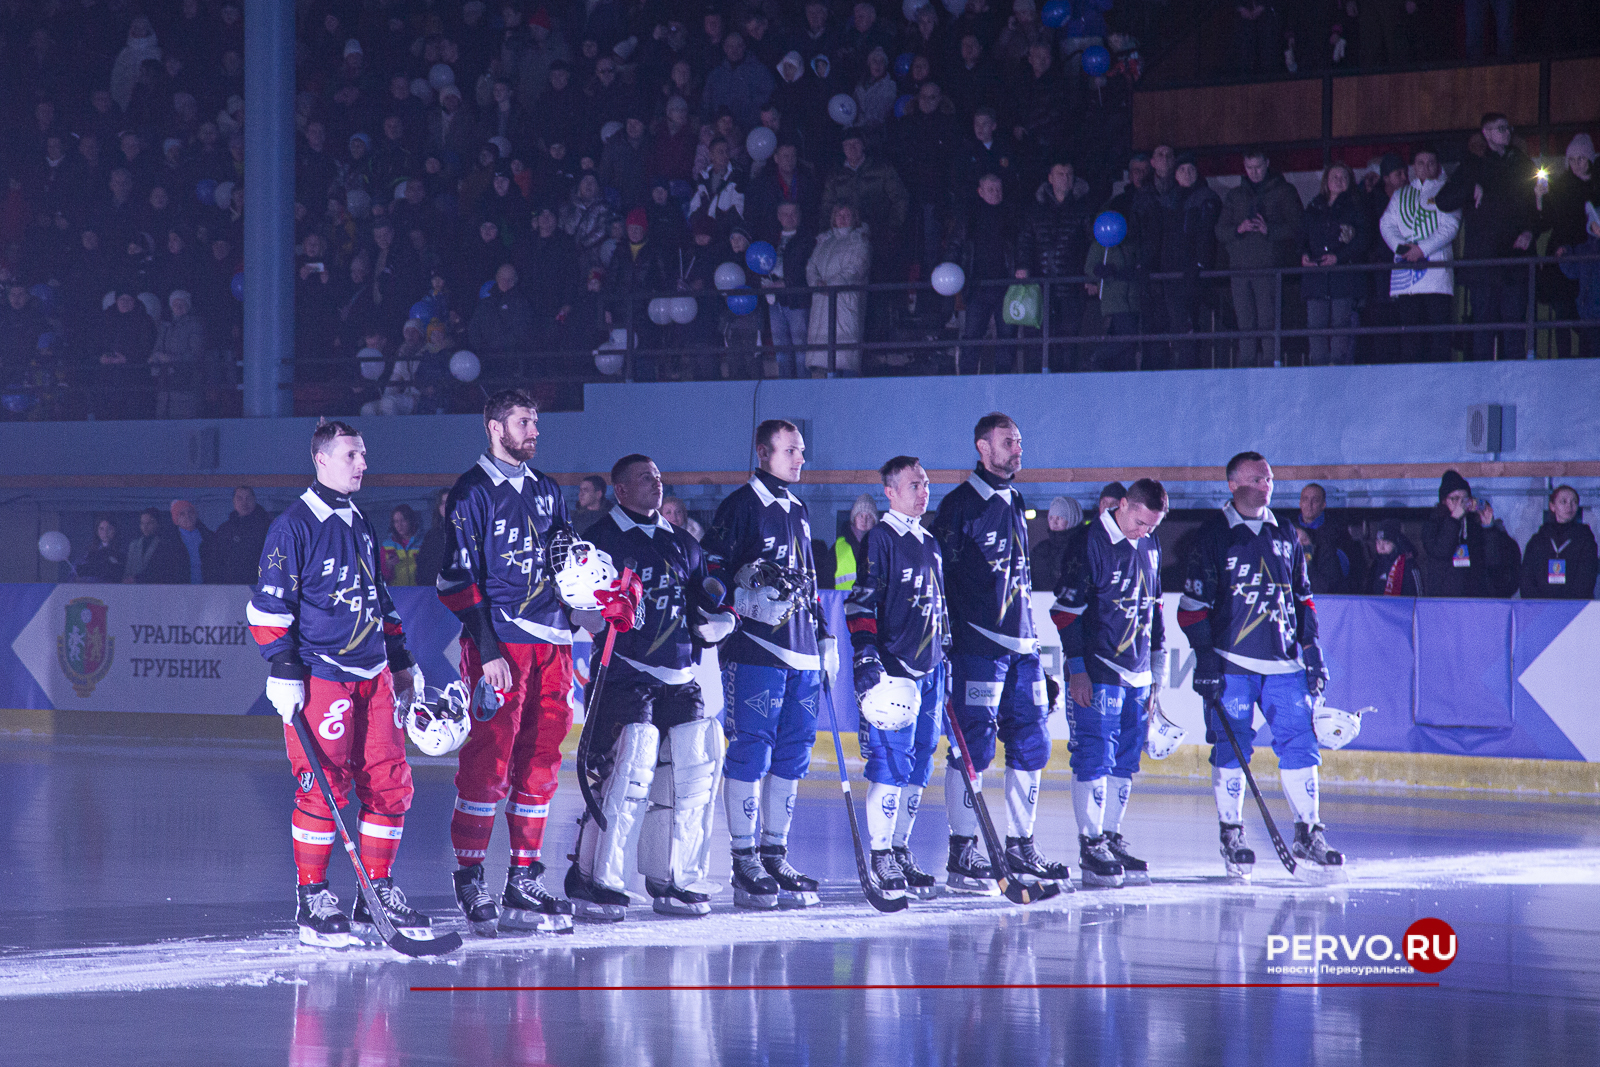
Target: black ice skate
(1237,858)
(919,883)
(593,902)
(1315,862)
(967,871)
(666,898)
(1026,863)
(528,905)
(406,919)
(321,922)
(1135,871)
(476,902)
(794,889)
(886,872)
(1096,864)
(753,887)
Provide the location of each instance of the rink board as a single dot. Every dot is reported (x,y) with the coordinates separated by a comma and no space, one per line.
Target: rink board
(1516,679)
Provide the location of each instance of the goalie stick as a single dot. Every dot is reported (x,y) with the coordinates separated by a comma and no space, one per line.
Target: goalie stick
(874,897)
(408,946)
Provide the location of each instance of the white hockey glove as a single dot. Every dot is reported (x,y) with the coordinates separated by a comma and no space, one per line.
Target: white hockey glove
(715,628)
(828,648)
(1158,671)
(288,695)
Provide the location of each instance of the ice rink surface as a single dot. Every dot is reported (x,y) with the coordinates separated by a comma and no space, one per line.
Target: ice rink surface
(146,917)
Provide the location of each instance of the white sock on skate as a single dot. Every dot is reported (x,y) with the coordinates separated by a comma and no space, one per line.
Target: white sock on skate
(777,809)
(1089,805)
(1300,786)
(1228,784)
(743,802)
(883,807)
(963,819)
(1022,800)
(910,801)
(1117,790)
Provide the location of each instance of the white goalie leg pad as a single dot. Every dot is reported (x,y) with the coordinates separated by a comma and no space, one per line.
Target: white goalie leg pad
(963,817)
(1228,784)
(675,841)
(883,807)
(777,809)
(1300,786)
(1117,792)
(1089,805)
(1022,800)
(623,798)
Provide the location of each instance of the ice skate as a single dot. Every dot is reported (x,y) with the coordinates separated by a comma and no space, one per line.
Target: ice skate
(919,883)
(794,889)
(967,871)
(1028,865)
(1237,858)
(1315,862)
(669,899)
(753,887)
(406,919)
(528,905)
(1097,866)
(593,902)
(477,903)
(886,873)
(1135,871)
(321,922)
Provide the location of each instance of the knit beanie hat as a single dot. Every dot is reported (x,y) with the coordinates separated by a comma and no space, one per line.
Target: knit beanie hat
(1451,482)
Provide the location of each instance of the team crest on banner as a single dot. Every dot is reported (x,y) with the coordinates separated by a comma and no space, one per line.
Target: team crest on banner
(85,646)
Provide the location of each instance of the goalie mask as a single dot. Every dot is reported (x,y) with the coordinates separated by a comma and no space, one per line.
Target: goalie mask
(1335,728)
(766,593)
(892,704)
(1162,735)
(581,571)
(437,721)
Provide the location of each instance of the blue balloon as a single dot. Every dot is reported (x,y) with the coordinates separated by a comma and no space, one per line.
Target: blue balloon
(1055,13)
(902,105)
(741,303)
(1096,60)
(422,309)
(902,65)
(1109,229)
(206,190)
(237,285)
(483,290)
(761,257)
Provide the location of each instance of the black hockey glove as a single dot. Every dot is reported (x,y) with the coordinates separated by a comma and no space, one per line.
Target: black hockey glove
(868,671)
(1052,691)
(1316,670)
(1207,681)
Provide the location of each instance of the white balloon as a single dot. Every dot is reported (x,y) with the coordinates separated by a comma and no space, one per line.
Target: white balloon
(684,309)
(660,311)
(54,546)
(842,109)
(729,276)
(760,143)
(608,362)
(948,279)
(371,363)
(464,366)
(224,195)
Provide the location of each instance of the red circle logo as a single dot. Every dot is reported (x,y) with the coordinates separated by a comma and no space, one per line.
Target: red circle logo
(1430,945)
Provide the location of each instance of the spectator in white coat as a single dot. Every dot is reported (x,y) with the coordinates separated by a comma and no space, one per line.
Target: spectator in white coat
(1416,231)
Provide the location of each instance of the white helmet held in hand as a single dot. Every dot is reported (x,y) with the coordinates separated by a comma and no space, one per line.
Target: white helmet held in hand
(437,720)
(1335,728)
(765,592)
(1162,735)
(581,571)
(892,704)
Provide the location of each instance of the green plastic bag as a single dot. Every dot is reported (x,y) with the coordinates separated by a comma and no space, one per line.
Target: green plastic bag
(1021,306)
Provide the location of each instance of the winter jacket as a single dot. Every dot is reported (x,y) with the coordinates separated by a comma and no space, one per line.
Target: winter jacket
(103,563)
(717,195)
(790,272)
(1413,217)
(926,144)
(1328,556)
(984,242)
(588,225)
(1398,568)
(1455,555)
(1559,563)
(1323,228)
(875,102)
(841,258)
(1188,221)
(741,89)
(876,191)
(1274,200)
(1505,561)
(1588,278)
(1119,288)
(1507,210)
(239,541)
(503,322)
(181,340)
(1054,236)
(159,559)
(399,559)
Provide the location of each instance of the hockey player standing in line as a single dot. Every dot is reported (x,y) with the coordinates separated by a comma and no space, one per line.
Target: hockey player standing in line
(1108,611)
(998,686)
(1248,613)
(759,546)
(665,754)
(896,616)
(324,620)
(516,660)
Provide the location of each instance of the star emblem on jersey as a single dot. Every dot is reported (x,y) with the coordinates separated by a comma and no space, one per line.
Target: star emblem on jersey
(276,559)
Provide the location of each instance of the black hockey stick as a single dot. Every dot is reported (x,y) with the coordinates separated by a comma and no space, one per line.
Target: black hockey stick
(597,679)
(874,897)
(1266,816)
(408,946)
(1015,891)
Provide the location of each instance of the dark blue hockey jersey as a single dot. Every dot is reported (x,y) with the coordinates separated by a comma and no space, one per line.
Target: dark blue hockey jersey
(672,573)
(1108,604)
(758,522)
(984,535)
(321,603)
(496,577)
(897,603)
(1246,594)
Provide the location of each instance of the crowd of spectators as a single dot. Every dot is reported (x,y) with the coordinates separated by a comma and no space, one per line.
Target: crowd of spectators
(513,179)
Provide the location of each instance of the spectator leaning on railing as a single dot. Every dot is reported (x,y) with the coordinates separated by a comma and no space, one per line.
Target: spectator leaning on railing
(1417,231)
(1259,227)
